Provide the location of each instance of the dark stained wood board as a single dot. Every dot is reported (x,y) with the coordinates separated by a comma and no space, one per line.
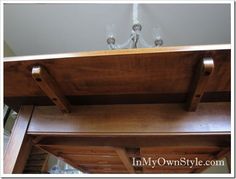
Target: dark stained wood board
(165,70)
(141,119)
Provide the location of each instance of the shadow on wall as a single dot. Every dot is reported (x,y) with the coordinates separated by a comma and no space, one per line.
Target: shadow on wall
(7,51)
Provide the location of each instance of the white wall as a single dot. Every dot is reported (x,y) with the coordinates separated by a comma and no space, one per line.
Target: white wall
(58,28)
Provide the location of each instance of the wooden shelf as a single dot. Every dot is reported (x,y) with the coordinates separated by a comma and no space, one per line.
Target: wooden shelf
(153,75)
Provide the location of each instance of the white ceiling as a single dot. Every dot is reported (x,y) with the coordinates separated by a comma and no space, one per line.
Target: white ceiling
(31,29)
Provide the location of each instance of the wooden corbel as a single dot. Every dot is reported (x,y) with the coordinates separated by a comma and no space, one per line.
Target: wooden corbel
(199,83)
(50,88)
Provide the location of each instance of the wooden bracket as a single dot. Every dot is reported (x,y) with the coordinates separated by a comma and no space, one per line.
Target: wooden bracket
(125,159)
(50,88)
(199,83)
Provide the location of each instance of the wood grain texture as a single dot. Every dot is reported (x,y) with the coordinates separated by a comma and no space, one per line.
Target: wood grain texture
(19,145)
(103,163)
(164,128)
(201,77)
(167,171)
(94,162)
(121,152)
(87,137)
(83,160)
(130,119)
(82,150)
(37,161)
(63,159)
(203,153)
(50,87)
(181,150)
(136,71)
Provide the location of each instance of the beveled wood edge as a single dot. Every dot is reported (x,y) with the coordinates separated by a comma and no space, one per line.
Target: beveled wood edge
(114,134)
(120,52)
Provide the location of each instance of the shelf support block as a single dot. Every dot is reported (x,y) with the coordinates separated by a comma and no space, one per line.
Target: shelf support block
(121,152)
(199,83)
(50,88)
